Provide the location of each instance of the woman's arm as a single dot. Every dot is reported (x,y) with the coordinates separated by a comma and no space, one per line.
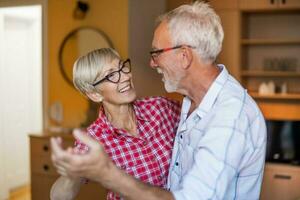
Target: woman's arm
(65,188)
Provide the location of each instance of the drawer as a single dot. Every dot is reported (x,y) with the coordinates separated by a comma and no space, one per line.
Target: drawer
(41,146)
(281,183)
(42,165)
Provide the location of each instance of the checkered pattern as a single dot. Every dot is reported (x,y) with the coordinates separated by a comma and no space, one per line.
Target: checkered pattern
(147,157)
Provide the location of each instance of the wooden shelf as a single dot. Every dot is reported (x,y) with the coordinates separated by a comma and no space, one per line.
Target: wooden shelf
(270,73)
(270,42)
(255,95)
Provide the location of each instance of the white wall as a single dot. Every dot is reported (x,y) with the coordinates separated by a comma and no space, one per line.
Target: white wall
(21,91)
(142,16)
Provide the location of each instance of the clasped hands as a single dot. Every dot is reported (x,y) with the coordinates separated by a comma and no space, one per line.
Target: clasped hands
(70,163)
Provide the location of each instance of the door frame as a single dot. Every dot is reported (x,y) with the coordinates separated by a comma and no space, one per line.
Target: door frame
(44,4)
(4,193)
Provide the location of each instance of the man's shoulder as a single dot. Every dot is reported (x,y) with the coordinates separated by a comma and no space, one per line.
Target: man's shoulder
(234,102)
(155,101)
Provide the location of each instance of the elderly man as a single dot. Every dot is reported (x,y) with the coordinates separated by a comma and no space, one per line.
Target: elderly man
(219,149)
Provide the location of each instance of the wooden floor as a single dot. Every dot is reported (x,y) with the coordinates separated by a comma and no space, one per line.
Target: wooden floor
(22,193)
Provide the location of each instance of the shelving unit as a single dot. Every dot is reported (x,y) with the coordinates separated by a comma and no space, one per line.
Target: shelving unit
(260,73)
(269,40)
(276,96)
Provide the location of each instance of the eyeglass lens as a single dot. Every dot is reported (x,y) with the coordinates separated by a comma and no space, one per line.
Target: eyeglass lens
(116,75)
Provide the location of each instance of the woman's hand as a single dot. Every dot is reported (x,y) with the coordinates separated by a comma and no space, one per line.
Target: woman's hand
(92,165)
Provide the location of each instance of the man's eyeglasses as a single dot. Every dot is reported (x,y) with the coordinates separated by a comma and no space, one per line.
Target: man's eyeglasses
(156,53)
(115,76)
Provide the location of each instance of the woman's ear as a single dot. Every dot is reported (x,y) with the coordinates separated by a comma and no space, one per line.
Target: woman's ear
(186,57)
(95,96)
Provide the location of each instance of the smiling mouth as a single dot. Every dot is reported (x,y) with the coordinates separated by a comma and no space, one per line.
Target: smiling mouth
(125,88)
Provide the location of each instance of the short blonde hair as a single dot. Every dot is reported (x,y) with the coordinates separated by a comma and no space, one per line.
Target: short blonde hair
(89,67)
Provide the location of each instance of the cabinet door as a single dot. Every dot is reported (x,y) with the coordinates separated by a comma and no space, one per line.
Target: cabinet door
(290,4)
(281,183)
(258,4)
(230,52)
(224,4)
(41,186)
(171,4)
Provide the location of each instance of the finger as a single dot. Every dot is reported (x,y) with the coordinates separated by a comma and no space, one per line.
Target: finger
(87,140)
(59,141)
(63,173)
(60,156)
(70,150)
(56,146)
(61,164)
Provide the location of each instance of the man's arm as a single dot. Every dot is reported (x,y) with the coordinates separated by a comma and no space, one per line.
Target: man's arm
(96,165)
(65,188)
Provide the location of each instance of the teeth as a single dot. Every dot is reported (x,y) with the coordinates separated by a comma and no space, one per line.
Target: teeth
(124,89)
(159,71)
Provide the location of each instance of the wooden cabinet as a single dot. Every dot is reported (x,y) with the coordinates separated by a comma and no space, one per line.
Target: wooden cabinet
(270,49)
(281,182)
(171,4)
(43,173)
(224,4)
(268,4)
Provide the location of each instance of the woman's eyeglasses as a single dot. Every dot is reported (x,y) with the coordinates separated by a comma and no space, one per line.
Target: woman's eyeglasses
(115,76)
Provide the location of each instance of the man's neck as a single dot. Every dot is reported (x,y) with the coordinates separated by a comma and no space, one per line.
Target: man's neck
(198,82)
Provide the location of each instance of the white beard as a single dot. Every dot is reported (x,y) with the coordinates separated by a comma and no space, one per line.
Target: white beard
(170,86)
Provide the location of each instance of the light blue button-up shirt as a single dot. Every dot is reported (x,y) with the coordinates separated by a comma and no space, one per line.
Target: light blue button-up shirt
(219,149)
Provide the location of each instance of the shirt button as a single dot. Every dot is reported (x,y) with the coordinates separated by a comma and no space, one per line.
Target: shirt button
(176,163)
(144,143)
(123,167)
(159,178)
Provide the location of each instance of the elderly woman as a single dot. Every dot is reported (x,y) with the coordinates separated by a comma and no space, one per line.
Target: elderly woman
(137,134)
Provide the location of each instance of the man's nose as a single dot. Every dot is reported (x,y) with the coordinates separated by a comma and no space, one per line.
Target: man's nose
(153,64)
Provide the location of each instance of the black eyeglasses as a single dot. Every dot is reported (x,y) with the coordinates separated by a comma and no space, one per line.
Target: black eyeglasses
(115,76)
(156,53)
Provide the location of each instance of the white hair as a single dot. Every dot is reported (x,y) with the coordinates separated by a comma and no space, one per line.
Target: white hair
(89,67)
(196,25)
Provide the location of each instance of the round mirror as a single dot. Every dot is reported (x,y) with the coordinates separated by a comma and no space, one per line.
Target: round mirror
(78,43)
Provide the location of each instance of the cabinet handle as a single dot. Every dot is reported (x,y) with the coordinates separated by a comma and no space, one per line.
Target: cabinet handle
(272,1)
(282,176)
(45,148)
(45,167)
(283,1)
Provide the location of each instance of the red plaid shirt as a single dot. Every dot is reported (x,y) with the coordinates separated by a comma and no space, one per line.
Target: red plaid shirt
(148,156)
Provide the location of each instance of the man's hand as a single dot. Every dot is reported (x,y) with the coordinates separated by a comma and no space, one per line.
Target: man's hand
(92,165)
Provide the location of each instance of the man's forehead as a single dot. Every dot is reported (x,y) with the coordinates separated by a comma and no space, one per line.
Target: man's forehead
(161,35)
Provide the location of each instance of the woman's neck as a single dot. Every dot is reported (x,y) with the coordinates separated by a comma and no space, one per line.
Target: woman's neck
(122,116)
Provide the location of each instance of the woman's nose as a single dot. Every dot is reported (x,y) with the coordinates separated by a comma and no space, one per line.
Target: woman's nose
(124,76)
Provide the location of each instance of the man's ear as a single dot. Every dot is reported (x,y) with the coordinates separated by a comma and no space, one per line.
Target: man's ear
(186,57)
(95,96)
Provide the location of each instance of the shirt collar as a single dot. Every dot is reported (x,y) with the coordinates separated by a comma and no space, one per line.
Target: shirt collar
(140,114)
